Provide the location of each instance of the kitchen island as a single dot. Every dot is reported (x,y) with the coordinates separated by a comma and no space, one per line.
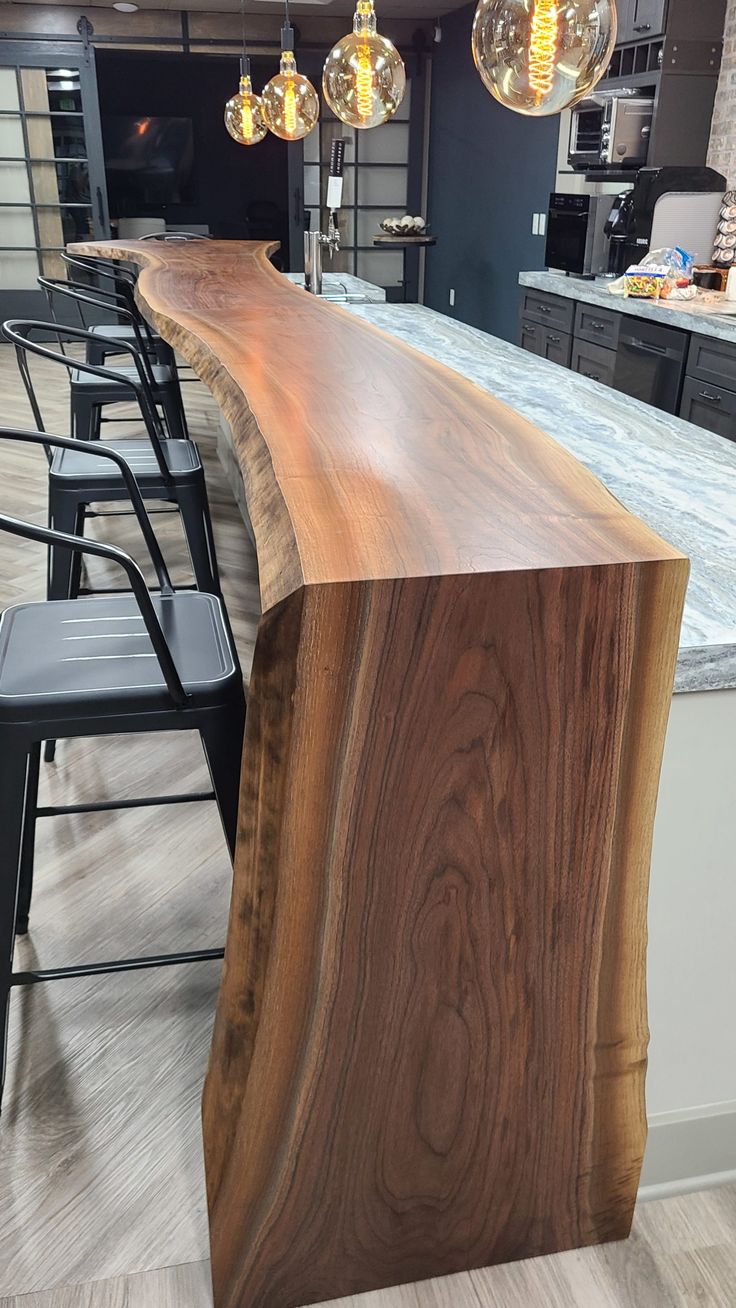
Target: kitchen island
(431,1032)
(682,481)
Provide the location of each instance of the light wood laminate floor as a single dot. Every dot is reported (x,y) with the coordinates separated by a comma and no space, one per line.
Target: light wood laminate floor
(101,1182)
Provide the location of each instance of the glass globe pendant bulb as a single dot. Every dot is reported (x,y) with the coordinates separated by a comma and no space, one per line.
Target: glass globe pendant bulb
(290,102)
(244,112)
(364,78)
(541,56)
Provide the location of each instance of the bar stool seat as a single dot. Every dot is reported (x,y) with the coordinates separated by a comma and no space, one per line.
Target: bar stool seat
(99,647)
(180,457)
(98,350)
(161,377)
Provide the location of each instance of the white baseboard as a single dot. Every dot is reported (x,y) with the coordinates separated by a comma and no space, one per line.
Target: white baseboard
(690,1150)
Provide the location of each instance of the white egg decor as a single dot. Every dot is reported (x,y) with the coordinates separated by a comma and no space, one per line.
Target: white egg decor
(406,226)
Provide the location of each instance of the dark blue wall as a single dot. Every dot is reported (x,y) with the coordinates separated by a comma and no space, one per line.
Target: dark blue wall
(489,171)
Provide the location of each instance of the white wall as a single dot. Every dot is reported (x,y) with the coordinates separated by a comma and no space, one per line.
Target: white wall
(692,941)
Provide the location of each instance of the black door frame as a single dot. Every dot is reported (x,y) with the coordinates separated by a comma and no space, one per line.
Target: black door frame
(79,55)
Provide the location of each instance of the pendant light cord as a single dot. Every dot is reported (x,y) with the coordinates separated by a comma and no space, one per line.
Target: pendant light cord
(244,60)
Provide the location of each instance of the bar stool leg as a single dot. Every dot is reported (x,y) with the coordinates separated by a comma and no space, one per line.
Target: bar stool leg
(86,417)
(173,408)
(13,768)
(222,737)
(195,516)
(25,889)
(65,514)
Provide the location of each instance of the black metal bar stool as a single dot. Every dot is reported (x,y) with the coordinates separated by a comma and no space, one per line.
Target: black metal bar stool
(169,470)
(88,397)
(122,281)
(94,667)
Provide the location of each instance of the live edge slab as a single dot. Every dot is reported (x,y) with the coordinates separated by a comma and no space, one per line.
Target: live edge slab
(431,1034)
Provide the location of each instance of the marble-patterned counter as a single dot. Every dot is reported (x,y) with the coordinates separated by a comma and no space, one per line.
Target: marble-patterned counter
(669,313)
(341,283)
(679,479)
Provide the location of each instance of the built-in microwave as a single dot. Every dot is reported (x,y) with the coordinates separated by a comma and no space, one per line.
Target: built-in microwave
(611,130)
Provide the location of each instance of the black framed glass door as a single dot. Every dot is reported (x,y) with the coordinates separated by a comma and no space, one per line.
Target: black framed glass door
(52,175)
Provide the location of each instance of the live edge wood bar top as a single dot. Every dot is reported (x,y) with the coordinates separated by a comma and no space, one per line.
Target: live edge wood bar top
(430,1042)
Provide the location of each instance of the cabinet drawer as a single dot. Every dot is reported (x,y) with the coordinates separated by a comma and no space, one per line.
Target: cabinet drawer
(712,361)
(593,361)
(599,326)
(709,406)
(550,310)
(556,346)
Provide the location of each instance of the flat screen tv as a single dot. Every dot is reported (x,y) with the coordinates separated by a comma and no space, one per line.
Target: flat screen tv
(148,163)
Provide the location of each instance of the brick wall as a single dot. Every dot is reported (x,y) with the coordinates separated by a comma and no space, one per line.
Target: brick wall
(722,152)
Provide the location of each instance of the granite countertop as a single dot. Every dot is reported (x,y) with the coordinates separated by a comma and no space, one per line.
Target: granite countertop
(670,313)
(678,478)
(339,283)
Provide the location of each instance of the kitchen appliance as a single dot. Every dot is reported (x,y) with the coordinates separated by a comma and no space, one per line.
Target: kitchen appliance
(610,129)
(650,362)
(575,233)
(666,207)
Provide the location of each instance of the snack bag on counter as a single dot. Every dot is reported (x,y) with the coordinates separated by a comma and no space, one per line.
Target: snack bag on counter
(644,283)
(663,273)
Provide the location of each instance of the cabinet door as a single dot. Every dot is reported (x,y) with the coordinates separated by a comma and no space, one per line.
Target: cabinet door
(532,337)
(625,9)
(708,406)
(648,19)
(557,347)
(594,361)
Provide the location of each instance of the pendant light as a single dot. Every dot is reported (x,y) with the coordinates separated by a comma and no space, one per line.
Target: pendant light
(364,78)
(541,56)
(290,102)
(244,111)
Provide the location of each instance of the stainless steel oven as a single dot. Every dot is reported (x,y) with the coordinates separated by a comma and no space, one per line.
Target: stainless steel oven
(610,130)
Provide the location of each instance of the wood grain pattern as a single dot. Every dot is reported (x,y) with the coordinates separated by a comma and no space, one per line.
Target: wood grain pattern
(431,1035)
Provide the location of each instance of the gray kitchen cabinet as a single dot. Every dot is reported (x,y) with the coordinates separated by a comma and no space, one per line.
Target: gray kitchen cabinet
(625,10)
(546,342)
(550,310)
(648,19)
(598,326)
(594,361)
(712,407)
(635,356)
(712,360)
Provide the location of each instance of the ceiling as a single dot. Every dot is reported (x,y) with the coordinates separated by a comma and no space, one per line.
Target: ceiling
(418,9)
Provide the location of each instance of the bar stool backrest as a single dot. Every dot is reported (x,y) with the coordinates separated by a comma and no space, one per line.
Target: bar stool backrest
(110,268)
(105,299)
(48,536)
(175,236)
(20,333)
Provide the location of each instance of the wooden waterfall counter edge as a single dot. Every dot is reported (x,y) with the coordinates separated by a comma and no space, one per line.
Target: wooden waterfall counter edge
(430,1043)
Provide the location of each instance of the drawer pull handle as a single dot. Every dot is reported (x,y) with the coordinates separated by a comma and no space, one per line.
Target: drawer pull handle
(594,376)
(554,340)
(714,399)
(642,27)
(598,326)
(544,308)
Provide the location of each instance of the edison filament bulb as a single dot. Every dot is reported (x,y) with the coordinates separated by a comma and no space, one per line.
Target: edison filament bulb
(364,78)
(290,102)
(244,112)
(541,56)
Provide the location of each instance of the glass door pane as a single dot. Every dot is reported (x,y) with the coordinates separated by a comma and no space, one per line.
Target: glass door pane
(52,188)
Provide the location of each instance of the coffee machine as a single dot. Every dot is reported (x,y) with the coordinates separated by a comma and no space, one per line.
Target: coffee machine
(666,207)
